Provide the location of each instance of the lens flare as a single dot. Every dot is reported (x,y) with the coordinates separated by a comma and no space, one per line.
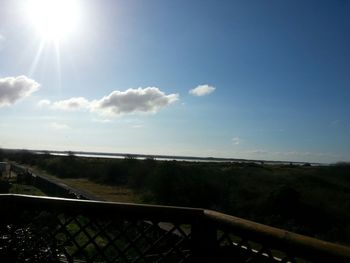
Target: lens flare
(54,19)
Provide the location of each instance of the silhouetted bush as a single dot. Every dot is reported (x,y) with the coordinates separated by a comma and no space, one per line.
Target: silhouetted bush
(4,187)
(2,155)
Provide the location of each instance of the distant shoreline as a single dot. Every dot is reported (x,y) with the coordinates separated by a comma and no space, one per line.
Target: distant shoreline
(162,157)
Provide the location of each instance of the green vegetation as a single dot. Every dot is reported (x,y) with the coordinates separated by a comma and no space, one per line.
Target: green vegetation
(25,189)
(309,200)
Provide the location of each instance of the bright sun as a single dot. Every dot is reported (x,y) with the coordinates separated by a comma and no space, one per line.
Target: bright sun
(53,19)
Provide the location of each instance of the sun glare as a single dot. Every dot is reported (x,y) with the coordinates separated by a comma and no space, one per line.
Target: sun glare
(53,19)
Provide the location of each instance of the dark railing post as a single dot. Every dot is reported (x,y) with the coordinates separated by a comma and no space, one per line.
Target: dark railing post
(204,241)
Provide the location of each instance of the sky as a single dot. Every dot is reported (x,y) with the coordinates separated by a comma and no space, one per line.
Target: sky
(241,79)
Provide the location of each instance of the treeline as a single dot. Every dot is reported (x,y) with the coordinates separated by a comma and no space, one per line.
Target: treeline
(309,200)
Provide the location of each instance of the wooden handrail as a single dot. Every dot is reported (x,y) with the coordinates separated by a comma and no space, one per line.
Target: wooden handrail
(147,212)
(295,244)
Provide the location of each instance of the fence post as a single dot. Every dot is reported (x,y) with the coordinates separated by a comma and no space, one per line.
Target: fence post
(204,241)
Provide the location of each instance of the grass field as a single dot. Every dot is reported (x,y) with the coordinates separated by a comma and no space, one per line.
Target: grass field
(25,189)
(106,192)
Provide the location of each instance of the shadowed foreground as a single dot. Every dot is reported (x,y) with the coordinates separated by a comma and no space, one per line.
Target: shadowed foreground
(46,229)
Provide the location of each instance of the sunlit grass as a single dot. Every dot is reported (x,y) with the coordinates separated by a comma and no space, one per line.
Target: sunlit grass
(105,192)
(25,189)
(110,193)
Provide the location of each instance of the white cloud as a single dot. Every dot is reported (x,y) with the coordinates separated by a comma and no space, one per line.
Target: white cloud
(102,120)
(59,126)
(257,151)
(2,40)
(137,126)
(44,103)
(202,90)
(339,123)
(149,99)
(13,89)
(77,103)
(236,140)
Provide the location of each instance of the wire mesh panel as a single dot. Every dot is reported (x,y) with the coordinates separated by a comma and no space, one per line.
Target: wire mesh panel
(54,237)
(27,239)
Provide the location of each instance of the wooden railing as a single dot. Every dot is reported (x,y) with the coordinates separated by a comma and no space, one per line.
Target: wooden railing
(46,229)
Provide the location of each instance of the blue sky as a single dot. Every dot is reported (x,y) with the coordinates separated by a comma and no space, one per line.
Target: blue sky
(269,79)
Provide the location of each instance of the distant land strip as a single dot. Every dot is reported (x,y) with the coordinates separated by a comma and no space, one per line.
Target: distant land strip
(162,157)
